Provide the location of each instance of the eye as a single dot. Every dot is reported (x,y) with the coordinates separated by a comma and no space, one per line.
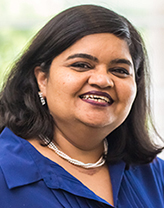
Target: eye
(81,66)
(120,71)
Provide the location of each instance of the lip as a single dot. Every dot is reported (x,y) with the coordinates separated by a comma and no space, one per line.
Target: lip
(99,93)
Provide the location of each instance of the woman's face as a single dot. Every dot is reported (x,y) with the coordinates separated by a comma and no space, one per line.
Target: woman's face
(92,83)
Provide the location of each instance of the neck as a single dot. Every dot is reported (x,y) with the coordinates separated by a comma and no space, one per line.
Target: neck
(84,146)
(75,162)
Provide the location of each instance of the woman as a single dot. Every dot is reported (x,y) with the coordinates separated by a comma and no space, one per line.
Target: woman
(74,114)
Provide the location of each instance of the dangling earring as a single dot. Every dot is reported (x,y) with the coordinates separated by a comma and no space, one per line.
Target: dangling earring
(42,100)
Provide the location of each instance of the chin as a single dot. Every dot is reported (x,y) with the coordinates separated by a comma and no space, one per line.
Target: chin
(98,124)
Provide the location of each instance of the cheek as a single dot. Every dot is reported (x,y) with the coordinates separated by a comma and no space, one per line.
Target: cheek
(63,86)
(131,94)
(59,83)
(71,83)
(128,93)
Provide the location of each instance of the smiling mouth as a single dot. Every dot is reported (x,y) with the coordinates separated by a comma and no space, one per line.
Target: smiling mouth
(97,98)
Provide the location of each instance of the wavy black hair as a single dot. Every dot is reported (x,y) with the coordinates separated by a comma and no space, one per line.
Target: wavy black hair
(20,107)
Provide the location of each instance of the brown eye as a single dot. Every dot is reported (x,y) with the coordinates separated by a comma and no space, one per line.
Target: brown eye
(120,71)
(81,66)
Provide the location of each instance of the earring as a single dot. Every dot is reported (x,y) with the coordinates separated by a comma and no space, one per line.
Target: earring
(42,100)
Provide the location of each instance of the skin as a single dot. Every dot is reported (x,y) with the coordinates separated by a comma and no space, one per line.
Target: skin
(82,124)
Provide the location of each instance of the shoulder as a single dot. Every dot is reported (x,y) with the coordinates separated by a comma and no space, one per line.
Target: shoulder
(2,181)
(157,164)
(147,176)
(157,167)
(17,165)
(150,175)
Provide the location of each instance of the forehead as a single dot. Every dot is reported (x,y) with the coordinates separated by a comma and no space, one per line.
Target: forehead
(100,45)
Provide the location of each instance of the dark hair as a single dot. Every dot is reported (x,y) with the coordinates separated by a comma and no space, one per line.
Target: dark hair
(20,107)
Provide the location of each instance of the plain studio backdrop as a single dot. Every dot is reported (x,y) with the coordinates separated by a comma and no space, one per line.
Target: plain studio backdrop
(20,20)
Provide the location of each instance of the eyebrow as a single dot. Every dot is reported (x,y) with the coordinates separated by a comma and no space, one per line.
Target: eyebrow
(93,58)
(121,61)
(83,55)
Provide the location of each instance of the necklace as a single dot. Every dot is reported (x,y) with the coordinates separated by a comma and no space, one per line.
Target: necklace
(99,163)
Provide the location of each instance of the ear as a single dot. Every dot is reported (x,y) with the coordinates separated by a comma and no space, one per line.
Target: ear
(41,78)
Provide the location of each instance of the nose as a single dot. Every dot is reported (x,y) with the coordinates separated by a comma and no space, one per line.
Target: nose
(101,78)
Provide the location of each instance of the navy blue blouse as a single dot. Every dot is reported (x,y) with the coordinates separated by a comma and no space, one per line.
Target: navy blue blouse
(30,180)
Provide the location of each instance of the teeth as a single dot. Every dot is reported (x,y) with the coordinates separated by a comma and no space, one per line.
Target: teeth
(96,97)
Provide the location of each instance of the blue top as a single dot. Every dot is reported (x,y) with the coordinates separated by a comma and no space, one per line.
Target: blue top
(30,180)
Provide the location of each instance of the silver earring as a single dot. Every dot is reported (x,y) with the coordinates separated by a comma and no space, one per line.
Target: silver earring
(42,100)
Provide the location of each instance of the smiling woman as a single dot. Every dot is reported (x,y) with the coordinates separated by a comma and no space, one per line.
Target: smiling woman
(85,80)
(73,118)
